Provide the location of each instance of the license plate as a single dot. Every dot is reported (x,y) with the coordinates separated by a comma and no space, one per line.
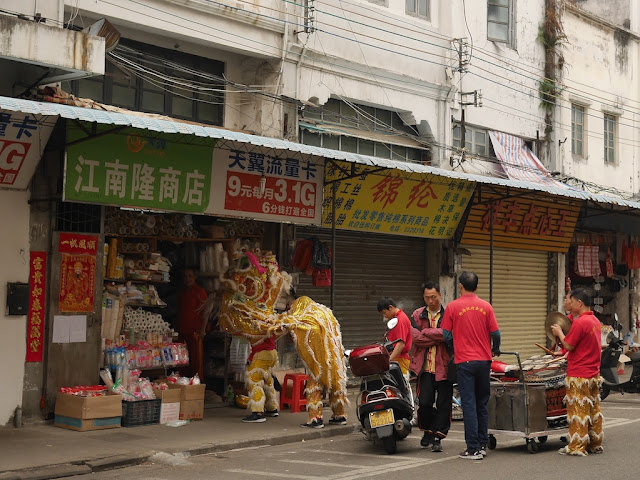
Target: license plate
(381,418)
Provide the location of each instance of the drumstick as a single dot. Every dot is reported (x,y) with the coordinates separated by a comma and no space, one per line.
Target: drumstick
(545,349)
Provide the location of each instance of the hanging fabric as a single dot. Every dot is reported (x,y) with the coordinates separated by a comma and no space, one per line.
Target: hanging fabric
(587,261)
(609,264)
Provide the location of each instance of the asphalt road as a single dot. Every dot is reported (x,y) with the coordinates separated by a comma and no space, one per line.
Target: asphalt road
(351,457)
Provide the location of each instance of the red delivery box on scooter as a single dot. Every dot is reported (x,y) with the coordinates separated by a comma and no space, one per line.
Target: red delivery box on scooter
(369,360)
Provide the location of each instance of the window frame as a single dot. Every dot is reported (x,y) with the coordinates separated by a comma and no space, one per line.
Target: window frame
(575,107)
(511,20)
(416,11)
(471,131)
(337,112)
(609,139)
(200,112)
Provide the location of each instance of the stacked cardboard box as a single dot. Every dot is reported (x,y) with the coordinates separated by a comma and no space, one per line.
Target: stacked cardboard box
(191,401)
(88,413)
(170,408)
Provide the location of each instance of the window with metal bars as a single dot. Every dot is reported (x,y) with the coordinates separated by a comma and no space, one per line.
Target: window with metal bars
(78,217)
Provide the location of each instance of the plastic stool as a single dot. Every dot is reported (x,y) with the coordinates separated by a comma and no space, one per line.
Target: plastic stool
(297,401)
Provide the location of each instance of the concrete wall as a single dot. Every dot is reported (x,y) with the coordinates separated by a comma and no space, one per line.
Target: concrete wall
(48,9)
(14,258)
(617,12)
(600,74)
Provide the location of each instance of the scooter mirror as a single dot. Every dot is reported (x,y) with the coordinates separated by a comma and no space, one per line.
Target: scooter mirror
(392,323)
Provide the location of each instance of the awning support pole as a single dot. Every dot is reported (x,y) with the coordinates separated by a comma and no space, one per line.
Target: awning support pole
(334,189)
(491,218)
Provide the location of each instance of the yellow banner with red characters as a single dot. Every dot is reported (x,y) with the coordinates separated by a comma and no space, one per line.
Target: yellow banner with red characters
(392,201)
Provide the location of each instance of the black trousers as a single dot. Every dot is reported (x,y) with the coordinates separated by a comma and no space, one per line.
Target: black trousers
(434,405)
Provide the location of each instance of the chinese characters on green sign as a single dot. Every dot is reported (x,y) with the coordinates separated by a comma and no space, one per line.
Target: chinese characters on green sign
(132,170)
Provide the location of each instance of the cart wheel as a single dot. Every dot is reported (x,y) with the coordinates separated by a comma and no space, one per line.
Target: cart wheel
(532,446)
(542,439)
(492,442)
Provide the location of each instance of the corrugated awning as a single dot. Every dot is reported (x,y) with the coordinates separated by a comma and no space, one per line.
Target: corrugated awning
(375,136)
(157,123)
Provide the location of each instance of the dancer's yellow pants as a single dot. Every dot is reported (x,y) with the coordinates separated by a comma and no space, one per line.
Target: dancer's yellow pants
(584,416)
(260,382)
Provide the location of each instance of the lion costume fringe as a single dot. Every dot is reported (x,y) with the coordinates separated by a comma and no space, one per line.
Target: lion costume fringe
(245,307)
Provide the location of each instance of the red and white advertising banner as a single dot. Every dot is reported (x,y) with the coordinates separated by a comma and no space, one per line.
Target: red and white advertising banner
(266,187)
(35,320)
(23,137)
(77,272)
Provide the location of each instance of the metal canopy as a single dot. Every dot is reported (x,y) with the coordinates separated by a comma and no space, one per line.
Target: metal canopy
(238,140)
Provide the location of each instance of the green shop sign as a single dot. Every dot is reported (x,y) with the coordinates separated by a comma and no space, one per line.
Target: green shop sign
(129,168)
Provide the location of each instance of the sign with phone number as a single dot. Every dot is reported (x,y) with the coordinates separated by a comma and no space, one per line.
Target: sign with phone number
(267,188)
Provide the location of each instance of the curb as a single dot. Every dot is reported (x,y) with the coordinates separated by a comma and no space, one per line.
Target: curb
(312,434)
(121,461)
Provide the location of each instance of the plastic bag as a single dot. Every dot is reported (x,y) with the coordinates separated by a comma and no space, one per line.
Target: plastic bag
(302,256)
(321,277)
(321,257)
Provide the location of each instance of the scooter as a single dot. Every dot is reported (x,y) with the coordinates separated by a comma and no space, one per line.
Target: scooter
(385,402)
(609,365)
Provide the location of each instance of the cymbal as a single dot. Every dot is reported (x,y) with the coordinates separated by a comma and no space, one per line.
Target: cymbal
(559,318)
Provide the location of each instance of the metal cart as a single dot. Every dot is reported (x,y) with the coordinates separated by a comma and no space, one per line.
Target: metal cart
(519,409)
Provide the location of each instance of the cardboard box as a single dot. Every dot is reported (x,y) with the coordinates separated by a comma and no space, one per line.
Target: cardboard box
(190,392)
(169,412)
(171,395)
(192,409)
(84,408)
(83,425)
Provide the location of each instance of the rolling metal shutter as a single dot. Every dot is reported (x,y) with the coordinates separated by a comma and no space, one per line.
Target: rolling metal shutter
(368,267)
(519,294)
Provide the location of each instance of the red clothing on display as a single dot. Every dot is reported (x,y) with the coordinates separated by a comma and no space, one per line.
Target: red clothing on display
(402,331)
(190,302)
(584,360)
(471,321)
(268,344)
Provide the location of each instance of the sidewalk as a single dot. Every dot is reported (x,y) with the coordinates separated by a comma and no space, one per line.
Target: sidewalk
(45,451)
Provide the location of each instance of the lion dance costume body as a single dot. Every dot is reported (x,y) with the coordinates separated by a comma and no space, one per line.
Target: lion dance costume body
(246,308)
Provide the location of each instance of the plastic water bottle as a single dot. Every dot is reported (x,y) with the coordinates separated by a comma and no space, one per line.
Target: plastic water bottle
(230,395)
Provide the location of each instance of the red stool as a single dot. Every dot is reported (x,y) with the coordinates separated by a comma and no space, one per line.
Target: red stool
(296,400)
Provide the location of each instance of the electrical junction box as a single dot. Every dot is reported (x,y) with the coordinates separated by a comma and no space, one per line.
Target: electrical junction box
(17,298)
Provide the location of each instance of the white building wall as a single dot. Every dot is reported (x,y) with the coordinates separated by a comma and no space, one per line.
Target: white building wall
(507,75)
(14,258)
(601,74)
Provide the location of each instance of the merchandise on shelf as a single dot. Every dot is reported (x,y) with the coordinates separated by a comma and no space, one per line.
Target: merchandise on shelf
(85,390)
(144,322)
(144,355)
(130,223)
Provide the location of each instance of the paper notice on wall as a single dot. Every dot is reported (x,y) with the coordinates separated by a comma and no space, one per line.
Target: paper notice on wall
(69,328)
(78,329)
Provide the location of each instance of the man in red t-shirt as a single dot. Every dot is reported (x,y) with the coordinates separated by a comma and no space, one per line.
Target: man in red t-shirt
(469,322)
(583,372)
(401,331)
(192,324)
